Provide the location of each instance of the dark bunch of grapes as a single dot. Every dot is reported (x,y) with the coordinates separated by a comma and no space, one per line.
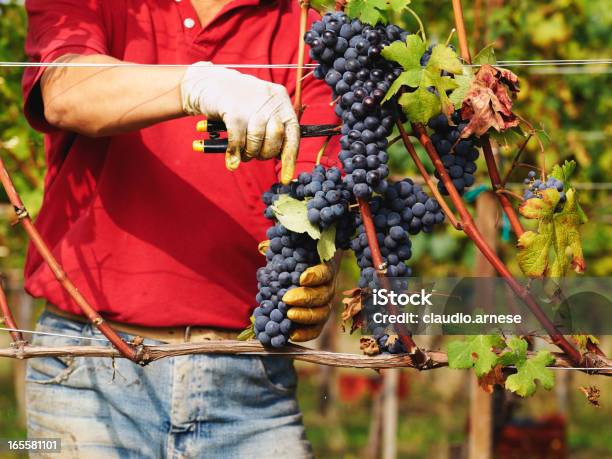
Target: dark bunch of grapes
(330,199)
(386,345)
(458,156)
(402,210)
(288,256)
(535,187)
(348,53)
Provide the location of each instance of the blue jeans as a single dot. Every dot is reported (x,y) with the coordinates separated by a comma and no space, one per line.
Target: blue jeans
(195,406)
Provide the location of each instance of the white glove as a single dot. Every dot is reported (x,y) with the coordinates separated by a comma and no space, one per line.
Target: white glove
(259,117)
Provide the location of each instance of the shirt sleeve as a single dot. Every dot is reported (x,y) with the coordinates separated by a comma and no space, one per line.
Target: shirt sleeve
(57,28)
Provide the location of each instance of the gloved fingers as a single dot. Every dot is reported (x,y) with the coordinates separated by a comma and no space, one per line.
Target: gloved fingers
(236,139)
(263,247)
(256,133)
(306,333)
(273,142)
(309,296)
(291,142)
(309,316)
(317,275)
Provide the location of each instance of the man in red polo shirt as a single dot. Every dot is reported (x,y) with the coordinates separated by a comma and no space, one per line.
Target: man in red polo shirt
(155,235)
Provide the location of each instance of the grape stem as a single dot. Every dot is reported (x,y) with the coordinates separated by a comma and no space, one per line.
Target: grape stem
(486,143)
(470,229)
(380,266)
(8,319)
(432,186)
(322,150)
(511,194)
(297,102)
(127,350)
(515,161)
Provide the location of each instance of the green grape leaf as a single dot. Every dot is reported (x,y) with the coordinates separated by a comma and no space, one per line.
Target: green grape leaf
(528,370)
(556,246)
(292,214)
(410,78)
(408,54)
(444,58)
(475,351)
(464,82)
(369,11)
(486,56)
(326,246)
(249,332)
(420,105)
(432,77)
(564,174)
(517,352)
(399,5)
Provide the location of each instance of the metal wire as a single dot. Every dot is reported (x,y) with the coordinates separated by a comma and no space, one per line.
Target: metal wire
(35,332)
(504,63)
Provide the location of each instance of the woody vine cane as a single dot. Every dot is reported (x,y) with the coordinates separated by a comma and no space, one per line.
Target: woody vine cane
(139,354)
(127,350)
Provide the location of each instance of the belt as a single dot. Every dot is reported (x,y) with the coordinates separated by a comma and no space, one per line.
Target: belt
(170,335)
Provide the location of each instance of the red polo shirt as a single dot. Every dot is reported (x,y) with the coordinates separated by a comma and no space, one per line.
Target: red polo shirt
(151,232)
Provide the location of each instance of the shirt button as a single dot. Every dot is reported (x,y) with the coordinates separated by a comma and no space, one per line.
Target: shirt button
(189,23)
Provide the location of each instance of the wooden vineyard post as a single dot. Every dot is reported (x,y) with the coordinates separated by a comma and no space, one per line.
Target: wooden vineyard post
(480,444)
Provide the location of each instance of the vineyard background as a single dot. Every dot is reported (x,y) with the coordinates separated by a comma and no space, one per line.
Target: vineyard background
(571,103)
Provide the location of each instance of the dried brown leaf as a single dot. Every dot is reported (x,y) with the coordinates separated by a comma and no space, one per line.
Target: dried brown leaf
(592,393)
(488,381)
(488,103)
(352,309)
(369,346)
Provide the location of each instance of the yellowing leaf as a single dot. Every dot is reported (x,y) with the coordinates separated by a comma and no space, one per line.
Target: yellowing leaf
(556,247)
(326,246)
(444,58)
(539,208)
(534,249)
(486,56)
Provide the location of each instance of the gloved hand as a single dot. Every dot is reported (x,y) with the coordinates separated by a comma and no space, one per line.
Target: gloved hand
(310,303)
(260,119)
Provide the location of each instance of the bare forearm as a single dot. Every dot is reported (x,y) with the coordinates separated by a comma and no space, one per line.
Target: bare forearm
(102,101)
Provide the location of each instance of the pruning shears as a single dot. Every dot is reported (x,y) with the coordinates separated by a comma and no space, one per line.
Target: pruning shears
(216,144)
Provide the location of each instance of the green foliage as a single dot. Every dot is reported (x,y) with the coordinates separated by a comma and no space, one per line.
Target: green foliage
(482,352)
(292,214)
(20,147)
(475,351)
(374,11)
(528,370)
(556,246)
(326,245)
(249,332)
(418,103)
